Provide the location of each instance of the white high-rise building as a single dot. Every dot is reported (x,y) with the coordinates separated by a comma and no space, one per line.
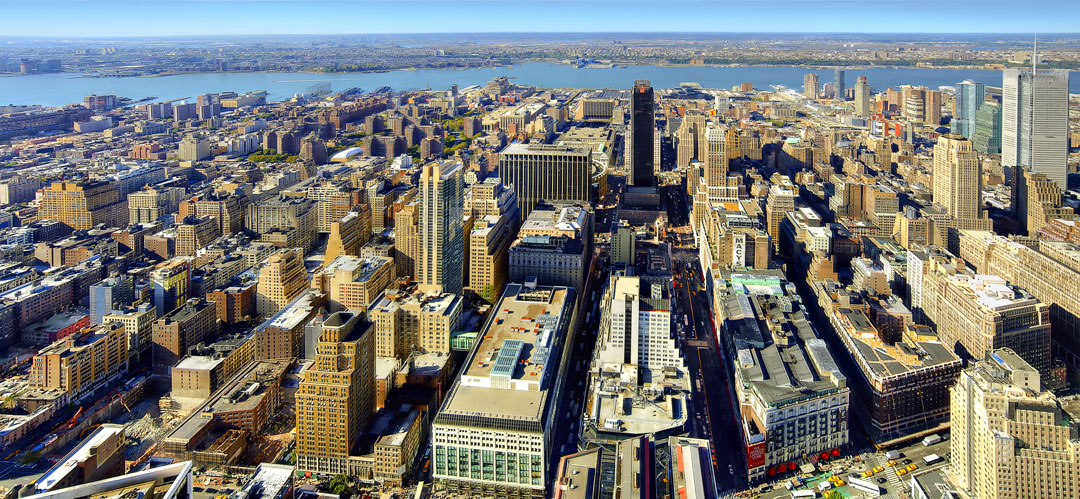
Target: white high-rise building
(442,201)
(640,325)
(1035,121)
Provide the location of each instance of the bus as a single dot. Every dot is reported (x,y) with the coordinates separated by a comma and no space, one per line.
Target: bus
(799,494)
(863,485)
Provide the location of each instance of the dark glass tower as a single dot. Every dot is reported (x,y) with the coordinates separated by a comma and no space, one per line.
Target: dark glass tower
(641,134)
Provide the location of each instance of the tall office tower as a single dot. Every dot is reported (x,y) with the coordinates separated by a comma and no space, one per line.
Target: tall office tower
(686,145)
(811,85)
(932,111)
(969,98)
(641,133)
(957,181)
(441,234)
(1009,437)
(1035,121)
(336,399)
(407,239)
(862,97)
(639,325)
(547,173)
(839,85)
(82,205)
(108,295)
(987,136)
(493,433)
(781,202)
(281,280)
(716,157)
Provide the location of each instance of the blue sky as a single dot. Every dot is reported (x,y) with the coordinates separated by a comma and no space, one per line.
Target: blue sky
(111,18)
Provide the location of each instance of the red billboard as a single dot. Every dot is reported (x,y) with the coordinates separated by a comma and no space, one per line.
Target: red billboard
(755,455)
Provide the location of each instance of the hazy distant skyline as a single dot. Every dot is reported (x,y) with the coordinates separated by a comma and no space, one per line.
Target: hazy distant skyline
(121,18)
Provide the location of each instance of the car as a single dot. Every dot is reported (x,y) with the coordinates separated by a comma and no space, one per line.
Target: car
(907,461)
(878,469)
(891,463)
(867,474)
(901,472)
(912,467)
(882,480)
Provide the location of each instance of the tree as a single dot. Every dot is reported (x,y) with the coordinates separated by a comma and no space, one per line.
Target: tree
(339,485)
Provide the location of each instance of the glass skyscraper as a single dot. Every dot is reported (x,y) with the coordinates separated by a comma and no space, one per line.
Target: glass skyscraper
(1035,121)
(970,97)
(839,87)
(641,134)
(987,137)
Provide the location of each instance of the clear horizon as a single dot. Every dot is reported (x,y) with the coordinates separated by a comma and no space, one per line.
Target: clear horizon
(171,18)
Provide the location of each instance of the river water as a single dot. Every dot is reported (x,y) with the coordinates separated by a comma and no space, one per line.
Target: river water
(65,88)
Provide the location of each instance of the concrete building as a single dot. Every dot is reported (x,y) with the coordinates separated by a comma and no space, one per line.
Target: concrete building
(785,376)
(82,205)
(353,283)
(862,97)
(407,322)
(295,217)
(554,245)
(899,387)
(500,411)
(110,294)
(281,280)
(975,314)
(228,210)
(174,334)
(489,245)
(139,326)
(549,172)
(171,282)
(336,399)
(97,457)
(195,233)
(193,148)
(1009,437)
(441,237)
(82,362)
(811,85)
(152,203)
(347,235)
(957,178)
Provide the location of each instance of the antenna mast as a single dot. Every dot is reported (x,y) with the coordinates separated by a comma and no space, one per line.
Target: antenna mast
(1034,53)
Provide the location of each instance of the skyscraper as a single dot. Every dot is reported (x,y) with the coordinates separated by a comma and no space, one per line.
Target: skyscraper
(987,136)
(969,99)
(811,84)
(1011,438)
(538,172)
(442,245)
(641,134)
(839,85)
(1035,121)
(336,400)
(862,97)
(957,182)
(281,280)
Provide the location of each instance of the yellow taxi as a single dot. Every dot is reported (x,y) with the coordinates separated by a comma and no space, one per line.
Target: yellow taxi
(878,469)
(891,463)
(901,472)
(867,474)
(912,467)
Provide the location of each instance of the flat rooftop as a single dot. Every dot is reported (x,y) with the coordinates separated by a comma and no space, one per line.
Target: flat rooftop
(507,374)
(79,454)
(366,266)
(242,392)
(886,360)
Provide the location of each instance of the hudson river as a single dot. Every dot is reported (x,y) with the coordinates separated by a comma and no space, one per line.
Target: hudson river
(66,88)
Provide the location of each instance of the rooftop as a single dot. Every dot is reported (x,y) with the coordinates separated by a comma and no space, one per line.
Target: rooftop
(507,374)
